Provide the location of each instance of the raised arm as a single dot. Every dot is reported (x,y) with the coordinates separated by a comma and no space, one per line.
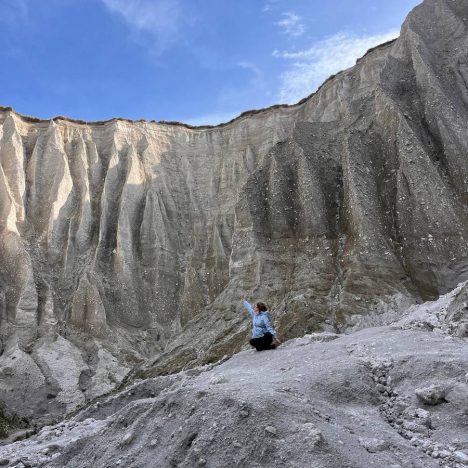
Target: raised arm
(247,305)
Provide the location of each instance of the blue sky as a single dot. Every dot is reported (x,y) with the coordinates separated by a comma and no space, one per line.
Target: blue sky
(196,61)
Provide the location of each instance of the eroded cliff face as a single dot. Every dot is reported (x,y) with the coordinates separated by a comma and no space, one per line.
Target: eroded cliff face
(123,240)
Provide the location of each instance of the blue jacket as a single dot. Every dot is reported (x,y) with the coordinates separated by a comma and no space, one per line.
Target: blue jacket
(261,323)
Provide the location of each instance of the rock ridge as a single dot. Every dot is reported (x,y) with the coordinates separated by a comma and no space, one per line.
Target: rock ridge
(182,124)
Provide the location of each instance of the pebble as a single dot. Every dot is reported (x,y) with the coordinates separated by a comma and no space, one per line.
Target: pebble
(126,439)
(381,388)
(314,436)
(445,454)
(413,427)
(421,413)
(461,457)
(432,395)
(271,430)
(373,445)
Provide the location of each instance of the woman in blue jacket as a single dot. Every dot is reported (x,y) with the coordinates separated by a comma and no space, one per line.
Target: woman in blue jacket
(263,334)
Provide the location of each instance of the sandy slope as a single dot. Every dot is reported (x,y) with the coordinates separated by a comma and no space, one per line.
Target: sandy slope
(323,400)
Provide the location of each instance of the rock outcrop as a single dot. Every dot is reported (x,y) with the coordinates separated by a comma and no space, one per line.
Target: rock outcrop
(324,400)
(122,240)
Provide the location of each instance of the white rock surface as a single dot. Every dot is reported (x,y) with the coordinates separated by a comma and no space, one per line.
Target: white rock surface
(252,410)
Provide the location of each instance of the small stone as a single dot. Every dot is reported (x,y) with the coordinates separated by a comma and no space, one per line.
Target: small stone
(313,436)
(381,388)
(414,427)
(462,330)
(244,414)
(460,457)
(421,413)
(432,395)
(373,445)
(127,438)
(237,444)
(51,448)
(201,462)
(271,430)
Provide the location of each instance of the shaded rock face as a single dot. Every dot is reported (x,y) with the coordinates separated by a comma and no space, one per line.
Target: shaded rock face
(117,236)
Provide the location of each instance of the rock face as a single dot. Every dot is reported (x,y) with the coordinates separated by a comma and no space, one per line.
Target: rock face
(116,237)
(343,401)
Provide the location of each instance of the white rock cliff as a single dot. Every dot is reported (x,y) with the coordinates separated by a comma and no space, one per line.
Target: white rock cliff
(121,241)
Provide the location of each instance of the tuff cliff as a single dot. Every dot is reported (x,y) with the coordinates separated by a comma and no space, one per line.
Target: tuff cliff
(125,240)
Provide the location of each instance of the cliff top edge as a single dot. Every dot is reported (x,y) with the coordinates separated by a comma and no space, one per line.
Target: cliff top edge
(248,113)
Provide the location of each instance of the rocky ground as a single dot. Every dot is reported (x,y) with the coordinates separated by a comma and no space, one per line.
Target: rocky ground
(393,396)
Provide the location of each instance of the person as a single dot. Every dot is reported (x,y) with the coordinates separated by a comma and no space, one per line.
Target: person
(264,336)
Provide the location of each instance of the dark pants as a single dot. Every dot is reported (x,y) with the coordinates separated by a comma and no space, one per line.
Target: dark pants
(263,343)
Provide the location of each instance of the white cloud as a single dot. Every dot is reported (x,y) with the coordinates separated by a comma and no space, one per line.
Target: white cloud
(258,74)
(291,24)
(163,20)
(312,66)
(269,5)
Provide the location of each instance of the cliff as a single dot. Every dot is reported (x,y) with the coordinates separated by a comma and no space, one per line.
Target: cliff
(121,241)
